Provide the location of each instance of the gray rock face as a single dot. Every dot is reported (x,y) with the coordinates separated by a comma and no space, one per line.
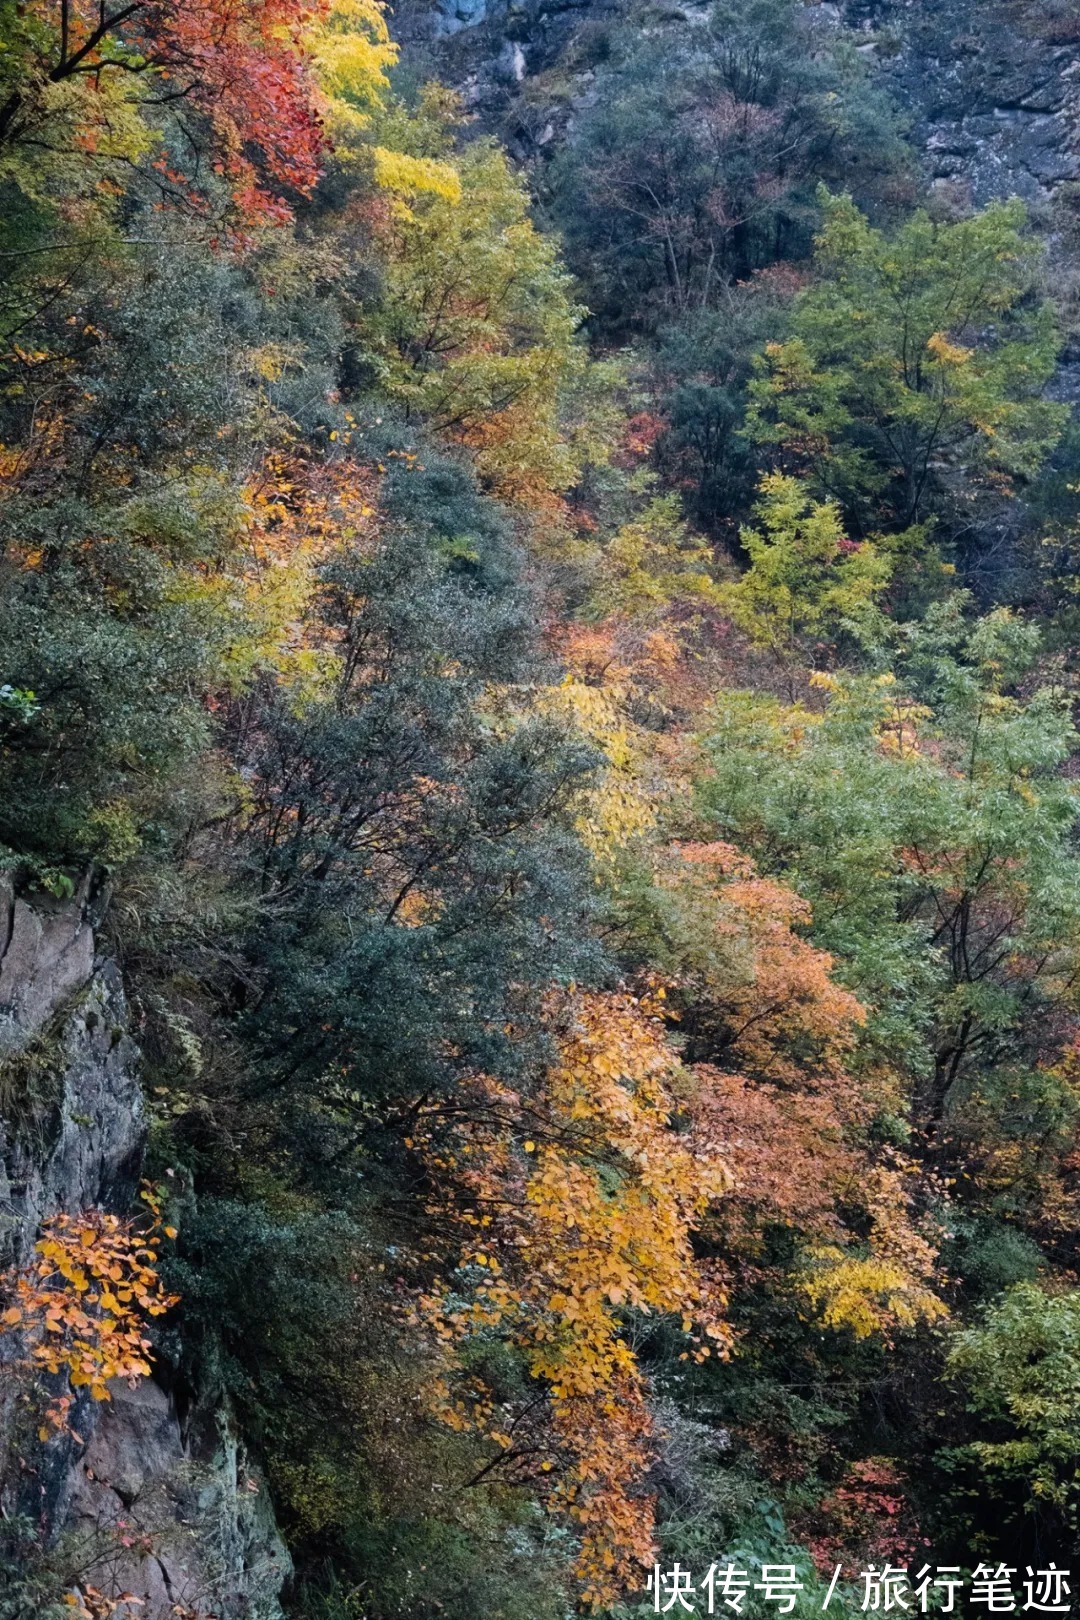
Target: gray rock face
(991,91)
(511,64)
(489,49)
(452,16)
(46,953)
(180,1519)
(992,86)
(185,1525)
(81,1145)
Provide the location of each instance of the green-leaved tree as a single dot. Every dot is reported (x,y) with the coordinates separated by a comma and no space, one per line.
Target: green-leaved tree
(915,369)
(806,580)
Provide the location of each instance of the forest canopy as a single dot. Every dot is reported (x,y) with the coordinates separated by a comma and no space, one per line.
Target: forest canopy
(560,676)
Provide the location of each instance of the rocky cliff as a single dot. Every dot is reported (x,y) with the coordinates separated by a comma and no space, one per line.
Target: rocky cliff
(141,1497)
(991,89)
(990,86)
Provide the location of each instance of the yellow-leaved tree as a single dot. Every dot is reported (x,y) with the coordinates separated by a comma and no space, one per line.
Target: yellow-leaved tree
(476,334)
(575,1208)
(82,1304)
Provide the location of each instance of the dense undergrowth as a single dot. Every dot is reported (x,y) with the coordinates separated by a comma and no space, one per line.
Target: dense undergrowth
(577,721)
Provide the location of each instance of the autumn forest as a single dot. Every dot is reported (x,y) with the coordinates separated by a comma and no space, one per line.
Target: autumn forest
(554,671)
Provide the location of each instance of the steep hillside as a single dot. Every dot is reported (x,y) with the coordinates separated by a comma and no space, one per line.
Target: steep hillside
(539,809)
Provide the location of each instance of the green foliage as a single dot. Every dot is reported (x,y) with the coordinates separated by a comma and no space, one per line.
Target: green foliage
(475,327)
(341,845)
(33,1582)
(274,656)
(935,846)
(990,1256)
(293,1314)
(700,372)
(92,618)
(455,807)
(806,581)
(18,707)
(1021,1369)
(30,1081)
(651,561)
(916,364)
(686,199)
(698,162)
